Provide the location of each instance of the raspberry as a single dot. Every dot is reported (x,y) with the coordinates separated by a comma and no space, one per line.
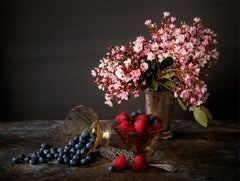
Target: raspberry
(126,126)
(139,163)
(140,125)
(149,128)
(141,122)
(122,117)
(120,163)
(157,126)
(143,117)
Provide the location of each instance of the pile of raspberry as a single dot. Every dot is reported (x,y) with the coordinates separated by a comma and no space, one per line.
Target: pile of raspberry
(137,122)
(121,163)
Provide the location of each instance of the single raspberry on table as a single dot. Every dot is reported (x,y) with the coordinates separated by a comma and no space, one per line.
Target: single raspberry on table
(120,163)
(139,163)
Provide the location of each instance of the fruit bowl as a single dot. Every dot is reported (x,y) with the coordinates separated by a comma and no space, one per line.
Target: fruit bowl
(139,143)
(138,131)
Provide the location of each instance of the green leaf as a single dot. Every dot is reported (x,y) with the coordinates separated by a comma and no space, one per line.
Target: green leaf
(168,83)
(154,67)
(169,75)
(181,104)
(166,63)
(207,112)
(200,116)
(154,84)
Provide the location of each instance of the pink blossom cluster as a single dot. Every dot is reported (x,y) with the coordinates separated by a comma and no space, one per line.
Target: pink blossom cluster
(122,72)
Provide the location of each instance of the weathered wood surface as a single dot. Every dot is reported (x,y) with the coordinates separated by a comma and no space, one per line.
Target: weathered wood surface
(198,153)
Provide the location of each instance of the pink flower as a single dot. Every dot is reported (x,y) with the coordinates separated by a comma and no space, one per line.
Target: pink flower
(119,73)
(144,66)
(135,74)
(128,62)
(150,56)
(93,73)
(148,22)
(166,14)
(125,70)
(197,20)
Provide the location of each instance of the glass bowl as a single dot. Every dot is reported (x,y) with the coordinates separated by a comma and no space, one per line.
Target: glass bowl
(139,143)
(82,118)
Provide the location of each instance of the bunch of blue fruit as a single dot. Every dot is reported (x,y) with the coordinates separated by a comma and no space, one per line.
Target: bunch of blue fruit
(74,153)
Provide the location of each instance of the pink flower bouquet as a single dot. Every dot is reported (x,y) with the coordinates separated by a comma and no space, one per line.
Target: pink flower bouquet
(172,60)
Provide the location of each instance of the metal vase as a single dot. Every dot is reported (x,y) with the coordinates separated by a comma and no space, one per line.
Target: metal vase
(160,104)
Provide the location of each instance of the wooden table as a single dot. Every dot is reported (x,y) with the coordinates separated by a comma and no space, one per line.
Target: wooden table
(198,153)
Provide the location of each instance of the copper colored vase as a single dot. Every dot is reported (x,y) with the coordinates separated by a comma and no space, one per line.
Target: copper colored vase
(160,104)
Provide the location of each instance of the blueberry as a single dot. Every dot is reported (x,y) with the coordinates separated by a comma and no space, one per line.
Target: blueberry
(41,150)
(90,158)
(73,162)
(83,151)
(66,160)
(46,151)
(34,155)
(33,161)
(66,151)
(15,159)
(21,157)
(60,155)
(72,150)
(44,145)
(26,159)
(134,114)
(55,155)
(67,147)
(84,134)
(72,143)
(53,151)
(156,121)
(39,154)
(75,157)
(111,168)
(151,117)
(139,111)
(78,146)
(49,155)
(76,139)
(60,150)
(83,161)
(42,160)
(65,156)
(78,152)
(115,123)
(89,145)
(92,138)
(60,160)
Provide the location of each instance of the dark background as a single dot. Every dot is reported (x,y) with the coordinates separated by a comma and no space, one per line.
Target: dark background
(48,48)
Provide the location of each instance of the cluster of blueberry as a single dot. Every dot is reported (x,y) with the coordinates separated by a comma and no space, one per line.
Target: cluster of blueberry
(74,153)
